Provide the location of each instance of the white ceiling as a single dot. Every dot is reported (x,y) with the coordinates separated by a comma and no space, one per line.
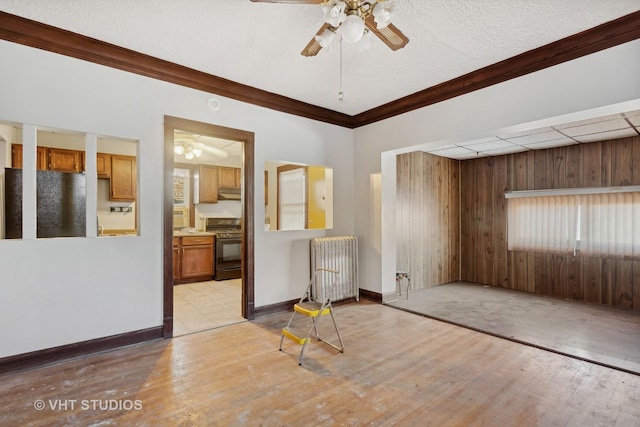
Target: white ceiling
(259,44)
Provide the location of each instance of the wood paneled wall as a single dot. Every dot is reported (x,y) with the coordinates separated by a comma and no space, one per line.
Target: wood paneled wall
(484,255)
(428,218)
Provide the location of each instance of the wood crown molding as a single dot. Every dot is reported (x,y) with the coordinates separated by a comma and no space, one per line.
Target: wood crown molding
(609,34)
(42,36)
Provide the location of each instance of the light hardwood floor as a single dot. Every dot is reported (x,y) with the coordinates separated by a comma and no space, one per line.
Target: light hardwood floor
(398,369)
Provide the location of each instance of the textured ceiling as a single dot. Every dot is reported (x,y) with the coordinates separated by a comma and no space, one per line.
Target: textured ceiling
(259,44)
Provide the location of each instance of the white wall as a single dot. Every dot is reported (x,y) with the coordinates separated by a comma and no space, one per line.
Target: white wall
(590,86)
(60,291)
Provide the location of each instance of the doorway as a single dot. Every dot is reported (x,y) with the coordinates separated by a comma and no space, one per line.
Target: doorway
(246,139)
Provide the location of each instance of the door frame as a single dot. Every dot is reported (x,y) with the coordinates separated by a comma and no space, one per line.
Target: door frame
(248,223)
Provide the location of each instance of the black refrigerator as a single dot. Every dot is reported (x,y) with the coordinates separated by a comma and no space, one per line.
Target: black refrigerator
(61,204)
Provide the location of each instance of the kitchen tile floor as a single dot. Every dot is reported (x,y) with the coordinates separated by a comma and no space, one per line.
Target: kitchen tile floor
(206,305)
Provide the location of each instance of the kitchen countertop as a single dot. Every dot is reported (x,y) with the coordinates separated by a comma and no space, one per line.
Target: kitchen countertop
(194,234)
(108,232)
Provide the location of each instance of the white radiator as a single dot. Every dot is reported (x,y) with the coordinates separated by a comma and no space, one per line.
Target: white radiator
(338,253)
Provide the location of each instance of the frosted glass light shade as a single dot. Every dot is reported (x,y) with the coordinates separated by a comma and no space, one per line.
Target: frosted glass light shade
(325,38)
(382,15)
(334,13)
(352,28)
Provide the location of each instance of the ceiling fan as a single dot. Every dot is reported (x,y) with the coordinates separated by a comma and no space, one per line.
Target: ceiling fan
(353,18)
(188,144)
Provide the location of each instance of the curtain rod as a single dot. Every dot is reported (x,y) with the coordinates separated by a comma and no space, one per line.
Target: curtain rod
(572,191)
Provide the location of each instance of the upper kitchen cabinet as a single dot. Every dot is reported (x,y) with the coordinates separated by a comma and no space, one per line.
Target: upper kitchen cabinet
(61,160)
(123,178)
(103,165)
(229,178)
(16,157)
(208,184)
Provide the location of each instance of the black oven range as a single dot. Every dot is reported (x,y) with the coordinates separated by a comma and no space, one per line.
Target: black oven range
(227,262)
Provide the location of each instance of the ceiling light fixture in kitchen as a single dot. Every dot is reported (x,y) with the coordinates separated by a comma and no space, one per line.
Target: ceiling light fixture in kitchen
(190,148)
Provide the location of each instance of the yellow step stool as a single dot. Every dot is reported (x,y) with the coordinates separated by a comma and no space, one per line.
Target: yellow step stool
(314,304)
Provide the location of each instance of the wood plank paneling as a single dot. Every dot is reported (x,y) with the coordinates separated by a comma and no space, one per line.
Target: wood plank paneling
(607,277)
(485,209)
(622,284)
(591,160)
(482,249)
(636,285)
(500,185)
(467,240)
(428,226)
(635,164)
(483,220)
(592,279)
(574,283)
(621,162)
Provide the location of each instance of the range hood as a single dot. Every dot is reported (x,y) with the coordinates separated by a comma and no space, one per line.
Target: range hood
(229,194)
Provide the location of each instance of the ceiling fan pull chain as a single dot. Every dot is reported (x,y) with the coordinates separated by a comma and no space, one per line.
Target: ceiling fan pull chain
(340,93)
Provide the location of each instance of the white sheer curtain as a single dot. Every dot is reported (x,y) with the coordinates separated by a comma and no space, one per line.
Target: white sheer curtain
(602,224)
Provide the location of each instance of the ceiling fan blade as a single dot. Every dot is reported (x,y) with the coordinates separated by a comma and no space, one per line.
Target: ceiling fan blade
(313,47)
(390,35)
(290,1)
(213,150)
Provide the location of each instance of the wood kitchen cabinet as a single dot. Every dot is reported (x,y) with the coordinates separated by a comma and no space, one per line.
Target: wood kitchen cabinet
(16,157)
(103,165)
(123,178)
(193,258)
(208,186)
(229,178)
(176,258)
(61,160)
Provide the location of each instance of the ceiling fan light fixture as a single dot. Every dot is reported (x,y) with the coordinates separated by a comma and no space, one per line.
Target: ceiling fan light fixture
(178,149)
(352,28)
(197,152)
(325,38)
(334,12)
(382,15)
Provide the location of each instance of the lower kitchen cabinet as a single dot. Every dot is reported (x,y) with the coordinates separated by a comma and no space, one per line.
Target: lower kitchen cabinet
(193,258)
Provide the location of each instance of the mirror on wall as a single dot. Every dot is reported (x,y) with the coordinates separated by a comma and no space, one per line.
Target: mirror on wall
(297,196)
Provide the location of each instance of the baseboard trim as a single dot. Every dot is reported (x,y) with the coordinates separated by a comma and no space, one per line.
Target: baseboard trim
(35,359)
(279,307)
(371,295)
(275,308)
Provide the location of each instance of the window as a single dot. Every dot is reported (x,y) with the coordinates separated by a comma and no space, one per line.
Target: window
(594,221)
(292,199)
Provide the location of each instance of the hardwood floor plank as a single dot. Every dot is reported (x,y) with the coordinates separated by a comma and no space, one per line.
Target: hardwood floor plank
(397,369)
